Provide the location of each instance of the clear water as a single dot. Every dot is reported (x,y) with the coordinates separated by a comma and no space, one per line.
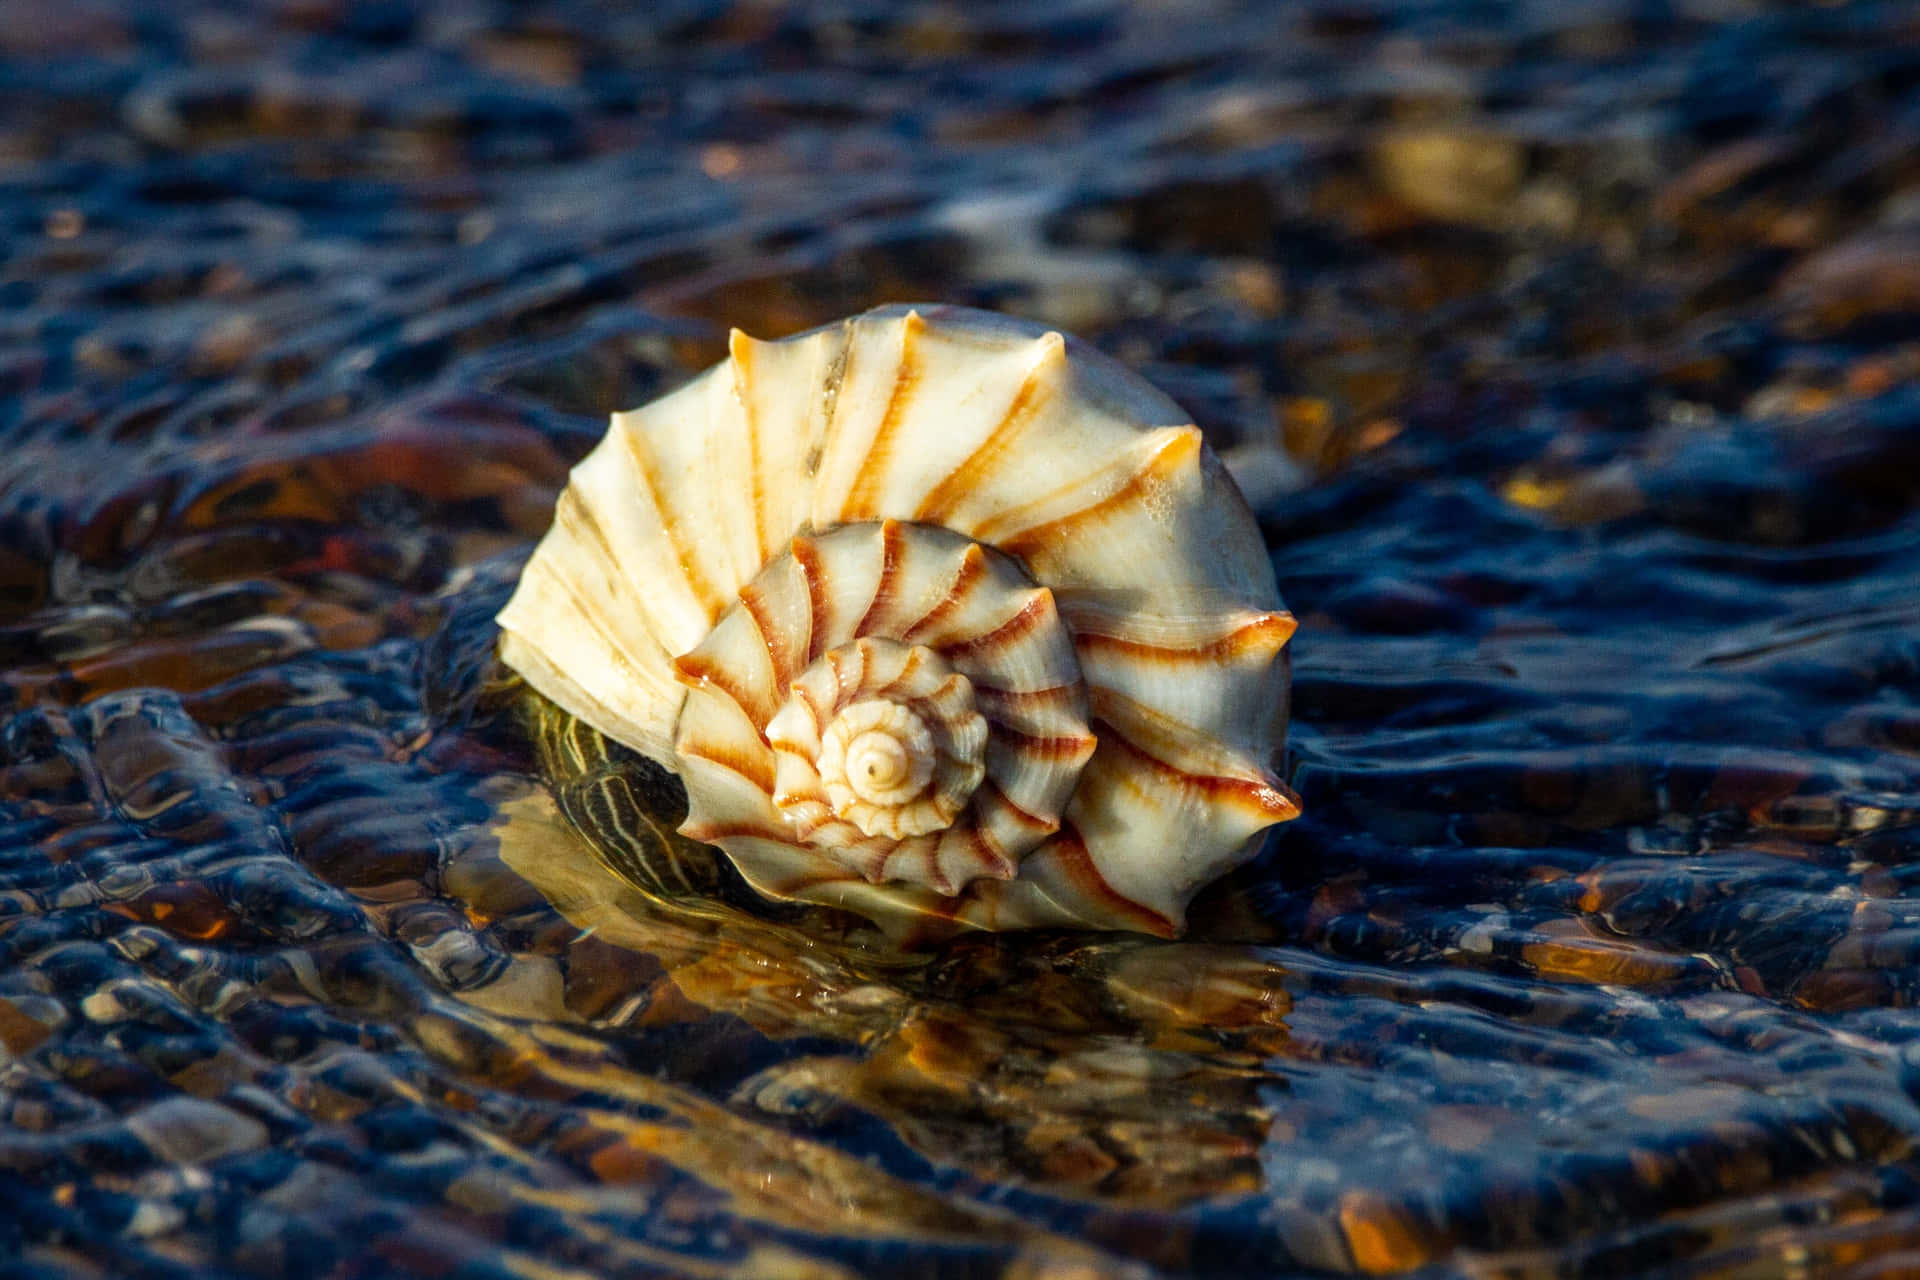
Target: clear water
(1569,355)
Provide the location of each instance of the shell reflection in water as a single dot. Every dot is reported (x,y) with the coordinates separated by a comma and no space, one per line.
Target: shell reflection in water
(1081,1064)
(939,617)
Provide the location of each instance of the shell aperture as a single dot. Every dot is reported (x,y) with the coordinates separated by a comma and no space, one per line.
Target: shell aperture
(939,618)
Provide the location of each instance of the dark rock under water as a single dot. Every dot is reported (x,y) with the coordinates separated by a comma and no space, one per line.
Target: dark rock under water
(1569,352)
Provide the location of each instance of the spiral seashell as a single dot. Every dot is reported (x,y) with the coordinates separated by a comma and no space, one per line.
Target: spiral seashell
(941,619)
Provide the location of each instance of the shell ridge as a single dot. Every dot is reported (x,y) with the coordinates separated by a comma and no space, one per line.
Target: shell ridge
(720,470)
(719,753)
(965,854)
(828,455)
(715,832)
(1036,390)
(575,519)
(754,603)
(1199,694)
(788,395)
(1001,801)
(645,471)
(1067,857)
(1262,799)
(717,776)
(968,577)
(781,871)
(908,372)
(740,351)
(837,659)
(910,668)
(1035,611)
(532,662)
(806,555)
(1158,459)
(1068,748)
(1154,847)
(914,854)
(1236,634)
(891,552)
(701,668)
(993,860)
(1178,747)
(1041,712)
(622,661)
(832,378)
(597,534)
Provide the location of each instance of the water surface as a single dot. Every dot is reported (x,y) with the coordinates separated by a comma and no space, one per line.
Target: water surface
(1568,353)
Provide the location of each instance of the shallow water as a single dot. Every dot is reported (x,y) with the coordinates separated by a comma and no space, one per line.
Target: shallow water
(1567,351)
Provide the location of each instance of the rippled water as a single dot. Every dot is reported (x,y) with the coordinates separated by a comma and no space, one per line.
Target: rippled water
(1570,354)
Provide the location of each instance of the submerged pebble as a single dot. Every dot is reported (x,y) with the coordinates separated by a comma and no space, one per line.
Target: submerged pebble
(1568,356)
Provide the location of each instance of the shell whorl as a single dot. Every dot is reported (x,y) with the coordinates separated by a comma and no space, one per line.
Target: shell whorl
(879,643)
(940,619)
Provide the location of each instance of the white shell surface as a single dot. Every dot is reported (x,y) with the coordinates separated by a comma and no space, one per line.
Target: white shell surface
(975,521)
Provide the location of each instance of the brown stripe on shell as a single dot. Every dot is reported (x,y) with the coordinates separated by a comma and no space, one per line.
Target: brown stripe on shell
(909,668)
(1036,389)
(806,817)
(1170,740)
(740,348)
(867,854)
(807,556)
(966,579)
(892,543)
(1072,748)
(802,690)
(1069,852)
(698,668)
(916,850)
(671,526)
(991,794)
(862,497)
(755,763)
(1174,449)
(996,861)
(1258,635)
(813,790)
(1005,706)
(952,697)
(809,791)
(845,683)
(826,875)
(975,851)
(1037,611)
(1264,797)
(753,601)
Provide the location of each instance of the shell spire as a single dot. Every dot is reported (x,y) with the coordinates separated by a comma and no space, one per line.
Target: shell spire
(940,617)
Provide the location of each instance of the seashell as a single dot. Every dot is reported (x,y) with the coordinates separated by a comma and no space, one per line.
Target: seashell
(940,617)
